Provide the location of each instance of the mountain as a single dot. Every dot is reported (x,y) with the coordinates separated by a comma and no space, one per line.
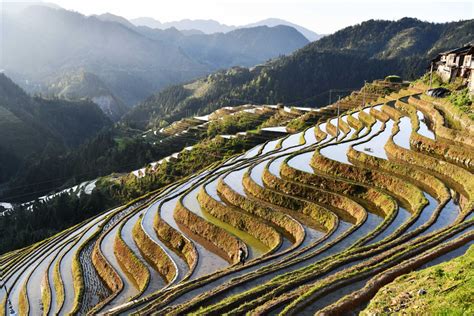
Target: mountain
(205,26)
(310,35)
(109,17)
(242,47)
(35,126)
(133,62)
(212,26)
(82,85)
(343,60)
(64,41)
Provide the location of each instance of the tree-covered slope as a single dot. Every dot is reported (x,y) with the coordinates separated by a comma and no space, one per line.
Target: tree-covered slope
(81,85)
(34,125)
(342,60)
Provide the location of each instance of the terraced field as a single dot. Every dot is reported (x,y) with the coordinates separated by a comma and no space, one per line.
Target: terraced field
(314,222)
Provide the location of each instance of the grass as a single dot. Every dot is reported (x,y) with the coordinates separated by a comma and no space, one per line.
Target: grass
(444,289)
(45,294)
(153,253)
(130,262)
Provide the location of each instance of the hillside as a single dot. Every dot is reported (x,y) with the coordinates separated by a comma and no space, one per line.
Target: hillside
(310,35)
(419,292)
(133,62)
(82,85)
(339,61)
(35,126)
(280,210)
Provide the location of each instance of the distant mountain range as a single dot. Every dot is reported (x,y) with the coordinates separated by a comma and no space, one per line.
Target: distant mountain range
(43,44)
(343,60)
(212,26)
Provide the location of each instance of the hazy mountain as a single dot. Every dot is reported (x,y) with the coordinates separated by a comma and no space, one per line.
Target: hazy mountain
(133,62)
(80,85)
(36,125)
(212,26)
(243,47)
(109,17)
(343,60)
(205,26)
(310,35)
(42,43)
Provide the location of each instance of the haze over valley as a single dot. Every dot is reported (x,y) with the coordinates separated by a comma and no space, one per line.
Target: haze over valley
(183,158)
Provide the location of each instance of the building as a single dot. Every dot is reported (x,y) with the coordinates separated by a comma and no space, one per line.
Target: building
(456,63)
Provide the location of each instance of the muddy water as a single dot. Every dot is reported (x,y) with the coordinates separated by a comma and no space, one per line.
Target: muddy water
(65,268)
(211,189)
(35,283)
(261,278)
(30,266)
(447,216)
(208,261)
(257,171)
(156,281)
(53,306)
(309,136)
(167,214)
(252,152)
(302,162)
(256,247)
(452,254)
(129,290)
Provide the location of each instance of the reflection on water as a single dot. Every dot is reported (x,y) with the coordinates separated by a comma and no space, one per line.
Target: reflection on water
(424,130)
(302,162)
(375,146)
(338,152)
(190,201)
(402,138)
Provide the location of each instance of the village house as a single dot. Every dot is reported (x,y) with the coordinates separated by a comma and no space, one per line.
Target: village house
(456,63)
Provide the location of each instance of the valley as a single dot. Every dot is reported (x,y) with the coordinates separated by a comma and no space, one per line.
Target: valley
(325,217)
(179,158)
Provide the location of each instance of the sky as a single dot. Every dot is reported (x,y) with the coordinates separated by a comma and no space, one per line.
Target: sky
(321,16)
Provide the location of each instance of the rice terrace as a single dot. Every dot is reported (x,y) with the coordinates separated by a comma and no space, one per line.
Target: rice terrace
(360,205)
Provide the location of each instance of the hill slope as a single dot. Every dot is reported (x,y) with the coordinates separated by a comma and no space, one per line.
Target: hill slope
(339,61)
(36,125)
(81,85)
(133,62)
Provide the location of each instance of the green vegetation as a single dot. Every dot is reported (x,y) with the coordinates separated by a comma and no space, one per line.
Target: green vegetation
(41,127)
(444,289)
(366,51)
(232,124)
(463,100)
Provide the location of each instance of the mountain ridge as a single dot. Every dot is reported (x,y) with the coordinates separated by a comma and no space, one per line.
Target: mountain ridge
(133,62)
(362,52)
(210,26)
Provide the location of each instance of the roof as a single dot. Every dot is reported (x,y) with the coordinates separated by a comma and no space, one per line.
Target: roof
(461,50)
(468,49)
